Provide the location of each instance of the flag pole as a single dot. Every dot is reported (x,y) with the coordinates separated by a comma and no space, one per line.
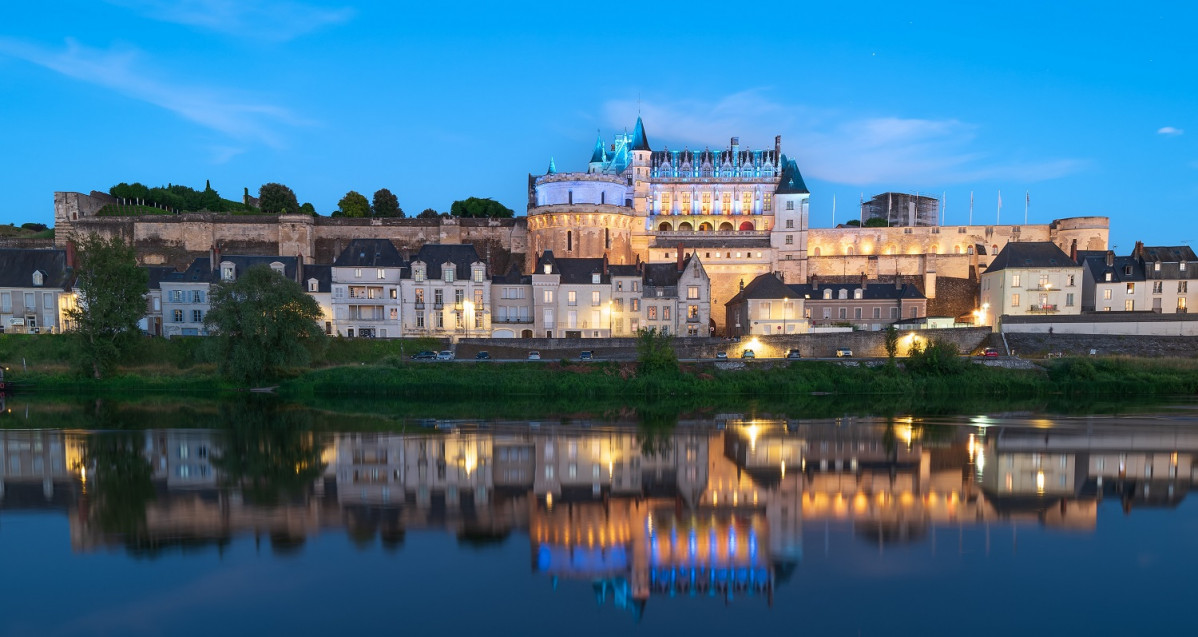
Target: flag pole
(1027,201)
(998,215)
(833,210)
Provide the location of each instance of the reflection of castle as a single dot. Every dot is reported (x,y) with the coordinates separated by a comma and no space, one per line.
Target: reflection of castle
(718,511)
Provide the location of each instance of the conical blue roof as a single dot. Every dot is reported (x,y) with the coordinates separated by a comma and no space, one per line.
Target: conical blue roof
(792,181)
(639,140)
(597,156)
(552,167)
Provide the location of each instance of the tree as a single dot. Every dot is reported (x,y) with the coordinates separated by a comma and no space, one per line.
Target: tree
(275,199)
(308,209)
(428,213)
(110,299)
(354,204)
(475,207)
(655,351)
(261,322)
(386,204)
(892,341)
(875,222)
(210,199)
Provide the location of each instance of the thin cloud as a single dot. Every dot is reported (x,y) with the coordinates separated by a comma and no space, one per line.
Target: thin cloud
(123,71)
(1169,131)
(276,20)
(834,147)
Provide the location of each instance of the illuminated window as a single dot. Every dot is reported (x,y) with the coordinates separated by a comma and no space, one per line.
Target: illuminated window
(1014,300)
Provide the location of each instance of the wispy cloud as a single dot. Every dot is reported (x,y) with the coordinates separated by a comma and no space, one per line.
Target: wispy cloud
(837,147)
(240,117)
(276,20)
(1169,131)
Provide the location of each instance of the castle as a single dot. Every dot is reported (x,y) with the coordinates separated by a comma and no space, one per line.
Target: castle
(742,212)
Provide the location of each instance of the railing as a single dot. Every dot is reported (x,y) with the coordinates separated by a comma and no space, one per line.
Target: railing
(438,305)
(1045,309)
(513,320)
(420,305)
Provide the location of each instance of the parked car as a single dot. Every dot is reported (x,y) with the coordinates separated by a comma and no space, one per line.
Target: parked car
(721,355)
(425,356)
(748,354)
(534,355)
(482,356)
(990,352)
(844,352)
(794,353)
(445,355)
(586,356)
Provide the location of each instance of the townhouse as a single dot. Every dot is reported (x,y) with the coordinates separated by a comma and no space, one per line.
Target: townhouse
(185,296)
(365,284)
(1028,278)
(446,293)
(35,290)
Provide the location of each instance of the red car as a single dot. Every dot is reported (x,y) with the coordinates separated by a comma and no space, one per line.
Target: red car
(990,352)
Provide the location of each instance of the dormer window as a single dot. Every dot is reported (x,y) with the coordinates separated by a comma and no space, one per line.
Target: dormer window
(477,274)
(381,274)
(1156,267)
(313,286)
(226,272)
(1108,276)
(827,294)
(1127,270)
(277,267)
(357,273)
(844,293)
(1183,266)
(595,277)
(548,269)
(38,278)
(447,273)
(857,294)
(418,272)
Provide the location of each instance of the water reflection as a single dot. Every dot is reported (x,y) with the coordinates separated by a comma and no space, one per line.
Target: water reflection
(717,508)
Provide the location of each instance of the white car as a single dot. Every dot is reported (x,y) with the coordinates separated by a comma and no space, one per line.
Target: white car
(534,355)
(445,355)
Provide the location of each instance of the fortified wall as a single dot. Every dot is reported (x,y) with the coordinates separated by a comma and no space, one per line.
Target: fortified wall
(177,239)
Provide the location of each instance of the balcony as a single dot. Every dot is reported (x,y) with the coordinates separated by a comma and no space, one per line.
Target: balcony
(1041,309)
(438,305)
(510,319)
(420,305)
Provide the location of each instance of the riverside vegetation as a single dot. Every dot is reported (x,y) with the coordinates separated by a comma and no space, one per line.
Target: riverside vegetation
(376,368)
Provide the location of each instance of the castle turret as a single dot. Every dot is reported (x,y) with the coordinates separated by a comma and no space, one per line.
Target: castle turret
(641,154)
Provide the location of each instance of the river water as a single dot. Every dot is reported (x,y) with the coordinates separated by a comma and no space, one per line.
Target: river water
(980,525)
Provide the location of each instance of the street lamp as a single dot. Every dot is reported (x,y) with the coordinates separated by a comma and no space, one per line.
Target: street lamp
(785,302)
(468,308)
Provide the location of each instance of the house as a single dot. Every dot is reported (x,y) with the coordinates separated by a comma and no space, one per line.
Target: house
(1150,279)
(768,306)
(676,297)
(1028,278)
(185,295)
(151,323)
(511,305)
(35,290)
(365,285)
(446,292)
(317,280)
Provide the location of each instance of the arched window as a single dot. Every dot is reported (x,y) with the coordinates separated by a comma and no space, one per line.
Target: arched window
(747,225)
(959,251)
(849,250)
(843,294)
(827,294)
(665,226)
(705,227)
(816,252)
(685,226)
(726,227)
(969,249)
(857,294)
(37,278)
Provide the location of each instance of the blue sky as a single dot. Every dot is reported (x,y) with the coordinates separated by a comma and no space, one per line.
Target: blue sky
(1089,107)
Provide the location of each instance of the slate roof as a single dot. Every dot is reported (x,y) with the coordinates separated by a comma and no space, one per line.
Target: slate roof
(639,140)
(792,180)
(371,253)
(600,153)
(767,286)
(17,266)
(573,271)
(434,255)
(623,270)
(156,273)
(1168,254)
(513,277)
(323,273)
(201,271)
(1030,254)
(1124,268)
(664,274)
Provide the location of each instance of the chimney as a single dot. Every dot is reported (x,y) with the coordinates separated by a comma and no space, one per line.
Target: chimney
(1110,258)
(864,281)
(1073,251)
(299,267)
(777,148)
(212,258)
(71,254)
(814,281)
(605,264)
(898,283)
(1138,249)
(679,257)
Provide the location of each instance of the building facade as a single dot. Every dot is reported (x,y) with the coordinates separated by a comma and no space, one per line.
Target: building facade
(1030,278)
(35,290)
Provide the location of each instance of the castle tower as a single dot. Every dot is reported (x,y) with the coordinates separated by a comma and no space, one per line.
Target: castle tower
(641,153)
(789,238)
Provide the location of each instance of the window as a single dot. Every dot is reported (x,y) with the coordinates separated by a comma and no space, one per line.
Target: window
(440,319)
(692,291)
(178,316)
(438,298)
(448,272)
(856,312)
(827,293)
(1069,300)
(877,312)
(420,319)
(37,278)
(1158,287)
(1108,276)
(1182,287)
(1014,300)
(478,275)
(894,312)
(1181,304)
(197,316)
(571,298)
(858,293)
(176,296)
(394,314)
(790,205)
(1182,266)
(827,313)
(595,298)
(1129,305)
(197,296)
(381,274)
(1106,294)
(394,293)
(572,318)
(1131,288)
(1043,281)
(547,296)
(844,312)
(635,305)
(419,297)
(652,312)
(418,272)
(313,285)
(692,312)
(1069,280)
(357,273)
(1156,267)
(458,297)
(790,239)
(665,312)
(1015,280)
(478,299)
(226,273)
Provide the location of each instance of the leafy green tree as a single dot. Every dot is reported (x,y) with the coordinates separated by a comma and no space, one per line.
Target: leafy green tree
(36,227)
(940,358)
(110,299)
(874,222)
(210,199)
(655,351)
(475,207)
(892,340)
(386,204)
(428,213)
(354,204)
(275,198)
(260,323)
(855,223)
(308,209)
(132,193)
